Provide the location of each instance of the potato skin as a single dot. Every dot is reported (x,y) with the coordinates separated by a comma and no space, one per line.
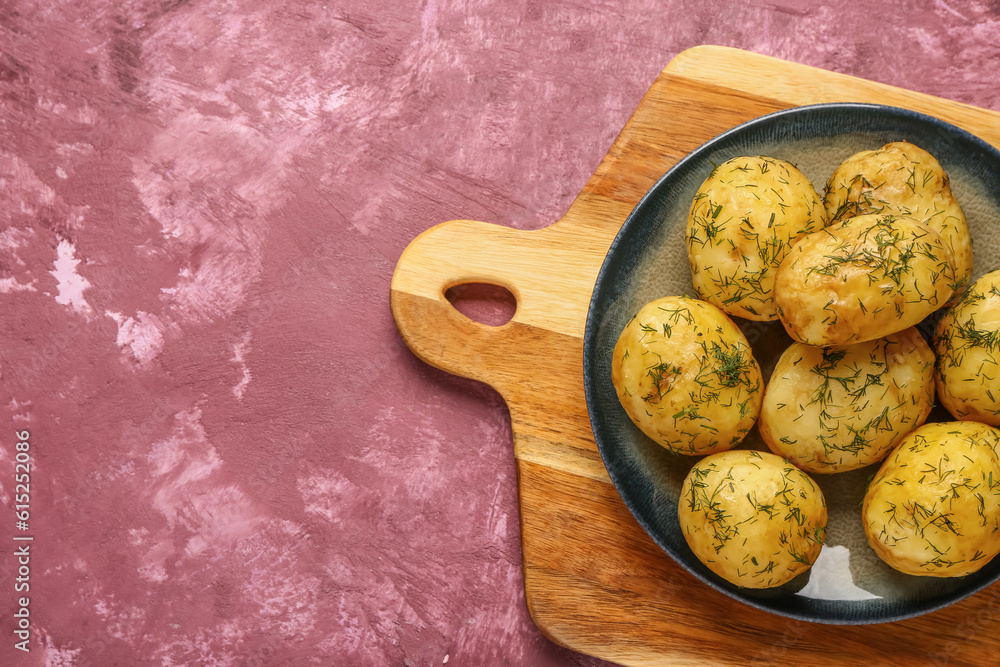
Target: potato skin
(751,517)
(686,376)
(862,278)
(835,409)
(933,508)
(742,222)
(905,180)
(967,343)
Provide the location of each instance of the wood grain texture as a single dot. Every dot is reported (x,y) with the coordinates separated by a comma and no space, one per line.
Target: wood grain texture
(594,581)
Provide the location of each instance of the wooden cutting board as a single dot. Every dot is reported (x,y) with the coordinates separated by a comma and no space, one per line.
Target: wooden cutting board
(594,581)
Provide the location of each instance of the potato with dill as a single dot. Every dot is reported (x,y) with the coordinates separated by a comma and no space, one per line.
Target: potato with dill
(686,376)
(752,517)
(862,278)
(835,409)
(967,343)
(904,180)
(742,222)
(933,509)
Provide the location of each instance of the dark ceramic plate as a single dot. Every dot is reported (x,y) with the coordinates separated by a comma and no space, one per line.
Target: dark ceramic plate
(848,584)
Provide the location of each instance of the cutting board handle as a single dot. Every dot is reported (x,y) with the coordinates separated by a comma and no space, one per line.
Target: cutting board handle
(454,253)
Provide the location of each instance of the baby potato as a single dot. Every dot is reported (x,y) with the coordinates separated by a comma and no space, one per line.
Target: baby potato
(834,409)
(742,222)
(967,343)
(686,376)
(752,518)
(902,179)
(933,509)
(862,278)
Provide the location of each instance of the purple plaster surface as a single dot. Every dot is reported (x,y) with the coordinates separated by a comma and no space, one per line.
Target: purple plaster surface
(236,461)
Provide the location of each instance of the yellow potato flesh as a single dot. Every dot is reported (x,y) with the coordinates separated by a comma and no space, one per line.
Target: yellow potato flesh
(752,518)
(686,376)
(840,408)
(933,509)
(904,180)
(967,343)
(862,278)
(742,222)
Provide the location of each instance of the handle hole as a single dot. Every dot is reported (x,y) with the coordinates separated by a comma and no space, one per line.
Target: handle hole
(488,304)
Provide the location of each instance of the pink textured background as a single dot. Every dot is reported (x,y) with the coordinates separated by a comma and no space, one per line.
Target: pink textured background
(237,461)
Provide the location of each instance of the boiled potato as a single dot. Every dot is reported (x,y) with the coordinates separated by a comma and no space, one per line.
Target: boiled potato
(967,343)
(834,409)
(686,376)
(752,518)
(905,180)
(933,509)
(742,222)
(862,278)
